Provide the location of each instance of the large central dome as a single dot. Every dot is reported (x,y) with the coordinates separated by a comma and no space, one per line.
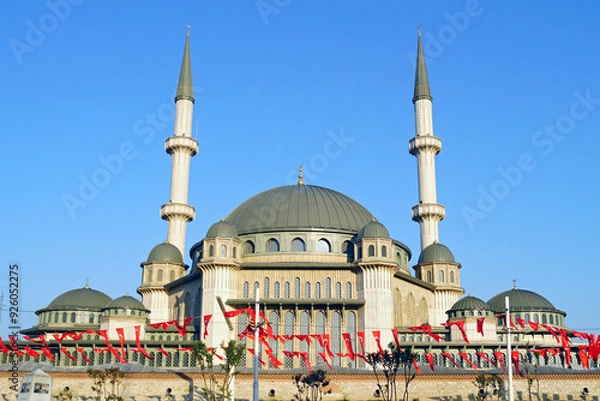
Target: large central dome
(299,207)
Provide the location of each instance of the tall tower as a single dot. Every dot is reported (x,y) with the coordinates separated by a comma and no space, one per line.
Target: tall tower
(428,213)
(181,146)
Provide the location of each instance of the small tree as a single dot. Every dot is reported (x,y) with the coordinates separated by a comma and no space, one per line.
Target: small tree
(311,387)
(214,389)
(529,370)
(488,386)
(107,383)
(392,362)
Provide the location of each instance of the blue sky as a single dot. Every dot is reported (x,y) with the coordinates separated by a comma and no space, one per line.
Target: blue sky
(516,104)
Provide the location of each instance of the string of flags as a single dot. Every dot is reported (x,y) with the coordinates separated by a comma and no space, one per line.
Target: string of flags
(39,345)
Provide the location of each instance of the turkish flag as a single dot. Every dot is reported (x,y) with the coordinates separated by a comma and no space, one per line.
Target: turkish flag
(429,358)
(480,322)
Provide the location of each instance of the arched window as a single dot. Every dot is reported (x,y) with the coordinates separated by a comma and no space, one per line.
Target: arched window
(172,275)
(318,290)
(287,293)
(307,290)
(246,289)
(551,319)
(277,290)
(255,290)
(336,335)
(348,290)
(288,329)
(441,276)
(273,343)
(451,276)
(297,245)
(384,251)
(328,288)
(266,289)
(248,248)
(73,317)
(64,317)
(544,318)
(297,287)
(91,318)
(323,246)
(351,319)
(398,258)
(338,290)
(211,251)
(159,275)
(371,250)
(234,252)
(360,252)
(347,247)
(429,278)
(272,245)
(223,251)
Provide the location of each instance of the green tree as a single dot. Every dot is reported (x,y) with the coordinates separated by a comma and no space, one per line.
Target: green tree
(488,386)
(391,362)
(311,387)
(107,383)
(215,389)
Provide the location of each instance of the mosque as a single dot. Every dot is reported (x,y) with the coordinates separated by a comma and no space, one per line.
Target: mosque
(319,264)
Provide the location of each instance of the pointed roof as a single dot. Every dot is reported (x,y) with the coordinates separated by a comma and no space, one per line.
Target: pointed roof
(422,90)
(185,88)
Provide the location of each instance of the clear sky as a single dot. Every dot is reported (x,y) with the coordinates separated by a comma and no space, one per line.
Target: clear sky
(516,94)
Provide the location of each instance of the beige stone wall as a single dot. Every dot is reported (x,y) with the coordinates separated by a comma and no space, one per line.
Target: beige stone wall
(359,387)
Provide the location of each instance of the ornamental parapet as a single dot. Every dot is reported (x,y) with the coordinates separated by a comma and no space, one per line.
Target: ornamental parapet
(428,209)
(177,209)
(181,142)
(424,142)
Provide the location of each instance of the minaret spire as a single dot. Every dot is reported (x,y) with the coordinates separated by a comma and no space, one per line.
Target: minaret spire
(181,146)
(428,213)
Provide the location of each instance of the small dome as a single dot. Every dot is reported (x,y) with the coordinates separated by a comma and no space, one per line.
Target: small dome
(470,303)
(521,301)
(222,229)
(126,302)
(165,252)
(436,253)
(80,299)
(373,229)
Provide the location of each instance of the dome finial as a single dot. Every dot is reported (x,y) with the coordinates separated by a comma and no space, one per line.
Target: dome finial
(87,283)
(515,284)
(190,27)
(300,176)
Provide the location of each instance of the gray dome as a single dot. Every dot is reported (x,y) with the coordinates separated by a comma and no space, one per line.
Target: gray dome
(299,207)
(470,303)
(222,229)
(79,299)
(126,302)
(373,229)
(436,253)
(165,252)
(522,301)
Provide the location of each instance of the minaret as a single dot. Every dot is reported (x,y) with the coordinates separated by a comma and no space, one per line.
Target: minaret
(428,213)
(181,146)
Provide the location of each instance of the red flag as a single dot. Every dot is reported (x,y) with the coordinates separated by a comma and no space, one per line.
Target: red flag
(324,357)
(162,325)
(377,337)
(48,353)
(121,333)
(206,319)
(234,313)
(429,358)
(414,363)
(76,336)
(60,337)
(482,355)
(304,356)
(182,330)
(465,358)
(461,326)
(551,331)
(583,356)
(396,339)
(521,322)
(480,322)
(361,340)
(251,350)
(64,351)
(41,339)
(500,358)
(348,342)
(448,356)
(541,351)
(276,362)
(164,352)
(31,352)
(83,356)
(515,359)
(503,317)
(535,326)
(138,344)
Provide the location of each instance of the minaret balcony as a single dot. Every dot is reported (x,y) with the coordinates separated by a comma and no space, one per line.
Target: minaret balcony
(181,142)
(169,210)
(424,143)
(428,210)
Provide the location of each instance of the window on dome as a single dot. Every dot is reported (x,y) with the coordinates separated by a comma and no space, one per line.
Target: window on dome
(64,317)
(551,319)
(451,277)
(429,278)
(272,245)
(211,251)
(536,318)
(223,251)
(91,318)
(384,251)
(544,319)
(73,317)
(441,276)
(297,245)
(324,246)
(398,258)
(371,250)
(172,275)
(159,275)
(248,248)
